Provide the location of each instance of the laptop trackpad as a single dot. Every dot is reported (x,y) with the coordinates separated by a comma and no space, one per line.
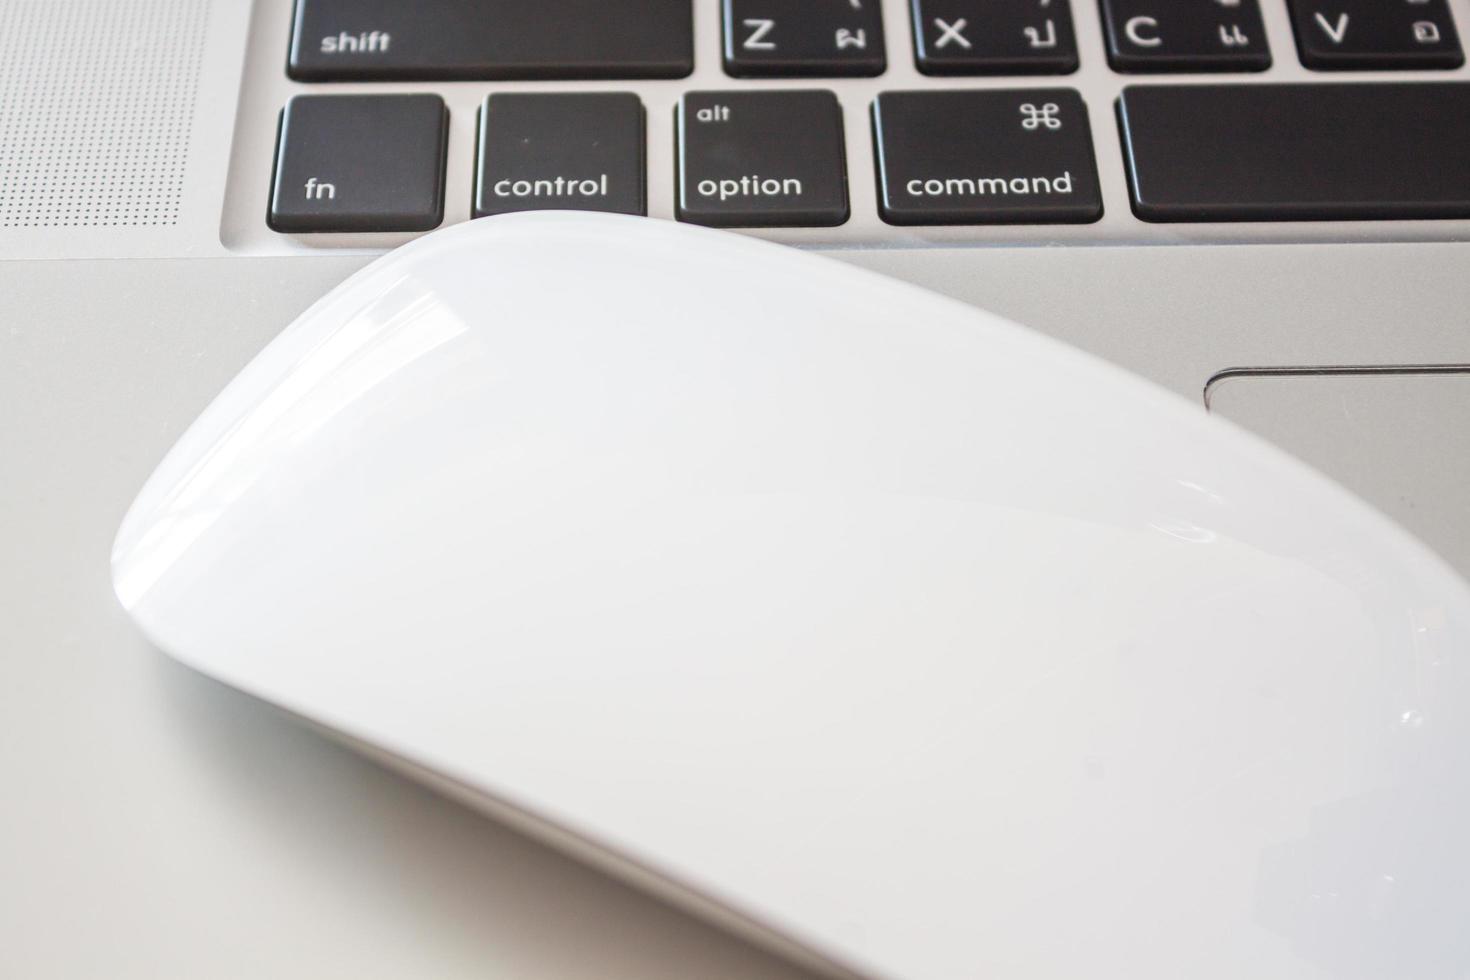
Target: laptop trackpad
(1400,441)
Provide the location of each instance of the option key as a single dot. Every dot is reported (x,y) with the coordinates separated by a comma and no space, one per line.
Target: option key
(761,158)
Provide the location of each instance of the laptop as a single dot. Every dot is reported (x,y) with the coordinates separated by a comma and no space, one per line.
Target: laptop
(1258,204)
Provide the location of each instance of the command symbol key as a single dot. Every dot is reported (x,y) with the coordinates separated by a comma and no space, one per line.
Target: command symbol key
(985,157)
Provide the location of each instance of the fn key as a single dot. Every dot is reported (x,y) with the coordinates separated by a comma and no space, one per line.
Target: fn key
(360,163)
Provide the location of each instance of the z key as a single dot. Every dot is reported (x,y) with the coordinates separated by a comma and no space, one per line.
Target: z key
(803,37)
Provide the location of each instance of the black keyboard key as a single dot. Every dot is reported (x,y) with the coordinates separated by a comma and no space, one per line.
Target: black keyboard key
(560,151)
(1297,152)
(985,157)
(994,37)
(398,40)
(761,158)
(1186,35)
(1353,34)
(803,37)
(360,163)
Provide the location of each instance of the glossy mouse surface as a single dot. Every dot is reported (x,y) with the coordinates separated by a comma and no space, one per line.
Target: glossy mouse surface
(863,621)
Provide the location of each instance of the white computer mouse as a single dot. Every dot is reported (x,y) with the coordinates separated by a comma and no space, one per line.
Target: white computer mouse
(895,635)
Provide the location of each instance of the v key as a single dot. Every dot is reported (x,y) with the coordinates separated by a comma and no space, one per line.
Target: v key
(1336,31)
(1376,35)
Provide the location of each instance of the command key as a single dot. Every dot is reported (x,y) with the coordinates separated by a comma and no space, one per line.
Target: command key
(753,159)
(985,157)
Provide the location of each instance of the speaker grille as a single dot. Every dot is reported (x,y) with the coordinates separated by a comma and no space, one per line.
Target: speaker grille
(96,100)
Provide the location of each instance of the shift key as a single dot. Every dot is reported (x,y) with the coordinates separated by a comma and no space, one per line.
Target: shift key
(414,40)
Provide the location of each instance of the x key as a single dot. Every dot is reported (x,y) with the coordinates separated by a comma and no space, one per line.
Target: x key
(994,37)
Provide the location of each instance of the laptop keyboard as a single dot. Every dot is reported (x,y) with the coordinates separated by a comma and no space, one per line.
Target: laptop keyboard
(373,158)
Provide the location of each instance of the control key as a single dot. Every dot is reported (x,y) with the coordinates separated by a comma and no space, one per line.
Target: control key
(560,150)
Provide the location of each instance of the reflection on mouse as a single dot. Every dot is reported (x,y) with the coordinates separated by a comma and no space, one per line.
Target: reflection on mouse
(893,635)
